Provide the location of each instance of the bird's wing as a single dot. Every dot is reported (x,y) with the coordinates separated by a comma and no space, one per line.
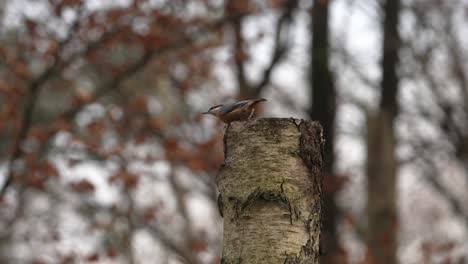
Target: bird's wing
(231,107)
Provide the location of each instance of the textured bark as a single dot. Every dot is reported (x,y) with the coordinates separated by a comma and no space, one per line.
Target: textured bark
(323,109)
(270,191)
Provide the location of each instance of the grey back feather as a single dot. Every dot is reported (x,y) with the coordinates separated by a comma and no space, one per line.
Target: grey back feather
(226,108)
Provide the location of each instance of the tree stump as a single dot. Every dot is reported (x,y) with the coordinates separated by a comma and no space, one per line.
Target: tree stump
(271,191)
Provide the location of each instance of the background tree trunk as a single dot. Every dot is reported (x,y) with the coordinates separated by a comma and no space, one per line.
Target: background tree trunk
(381,156)
(270,191)
(323,109)
(381,190)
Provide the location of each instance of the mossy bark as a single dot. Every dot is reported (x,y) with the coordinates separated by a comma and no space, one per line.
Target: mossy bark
(270,191)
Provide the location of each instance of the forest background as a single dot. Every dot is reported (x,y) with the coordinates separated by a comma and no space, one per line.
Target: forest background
(105,157)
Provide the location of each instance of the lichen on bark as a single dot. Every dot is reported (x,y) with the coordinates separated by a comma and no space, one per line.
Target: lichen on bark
(270,191)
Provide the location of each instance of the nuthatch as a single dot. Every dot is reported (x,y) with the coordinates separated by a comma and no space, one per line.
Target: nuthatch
(238,111)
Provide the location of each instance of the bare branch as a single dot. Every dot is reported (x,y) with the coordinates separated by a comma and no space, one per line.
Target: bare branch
(247,89)
(179,195)
(430,173)
(239,57)
(34,88)
(281,44)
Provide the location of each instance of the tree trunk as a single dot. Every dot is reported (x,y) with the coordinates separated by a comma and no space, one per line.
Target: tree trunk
(381,156)
(390,46)
(323,109)
(270,191)
(381,190)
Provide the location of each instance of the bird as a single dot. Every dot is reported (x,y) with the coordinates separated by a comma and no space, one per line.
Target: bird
(238,111)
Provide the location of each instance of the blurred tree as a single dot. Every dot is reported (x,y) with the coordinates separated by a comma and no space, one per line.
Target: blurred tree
(323,109)
(381,155)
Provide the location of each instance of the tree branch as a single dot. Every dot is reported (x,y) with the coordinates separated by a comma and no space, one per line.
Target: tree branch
(247,89)
(240,57)
(34,89)
(281,44)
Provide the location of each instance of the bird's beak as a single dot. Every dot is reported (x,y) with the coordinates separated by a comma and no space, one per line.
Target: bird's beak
(205,113)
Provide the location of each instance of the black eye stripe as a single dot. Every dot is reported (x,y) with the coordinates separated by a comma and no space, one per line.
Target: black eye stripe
(213,107)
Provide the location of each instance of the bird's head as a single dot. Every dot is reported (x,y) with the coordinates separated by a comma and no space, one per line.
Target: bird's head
(214,110)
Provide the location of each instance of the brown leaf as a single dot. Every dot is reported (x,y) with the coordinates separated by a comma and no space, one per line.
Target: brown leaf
(139,105)
(82,186)
(96,128)
(171,146)
(198,246)
(61,125)
(141,137)
(276,3)
(155,124)
(241,56)
(93,257)
(150,214)
(129,180)
(39,133)
(111,252)
(36,180)
(38,174)
(49,169)
(22,70)
(185,86)
(68,259)
(196,164)
(240,7)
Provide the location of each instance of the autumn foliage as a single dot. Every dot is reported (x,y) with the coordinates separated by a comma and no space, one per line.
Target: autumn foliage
(108,86)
